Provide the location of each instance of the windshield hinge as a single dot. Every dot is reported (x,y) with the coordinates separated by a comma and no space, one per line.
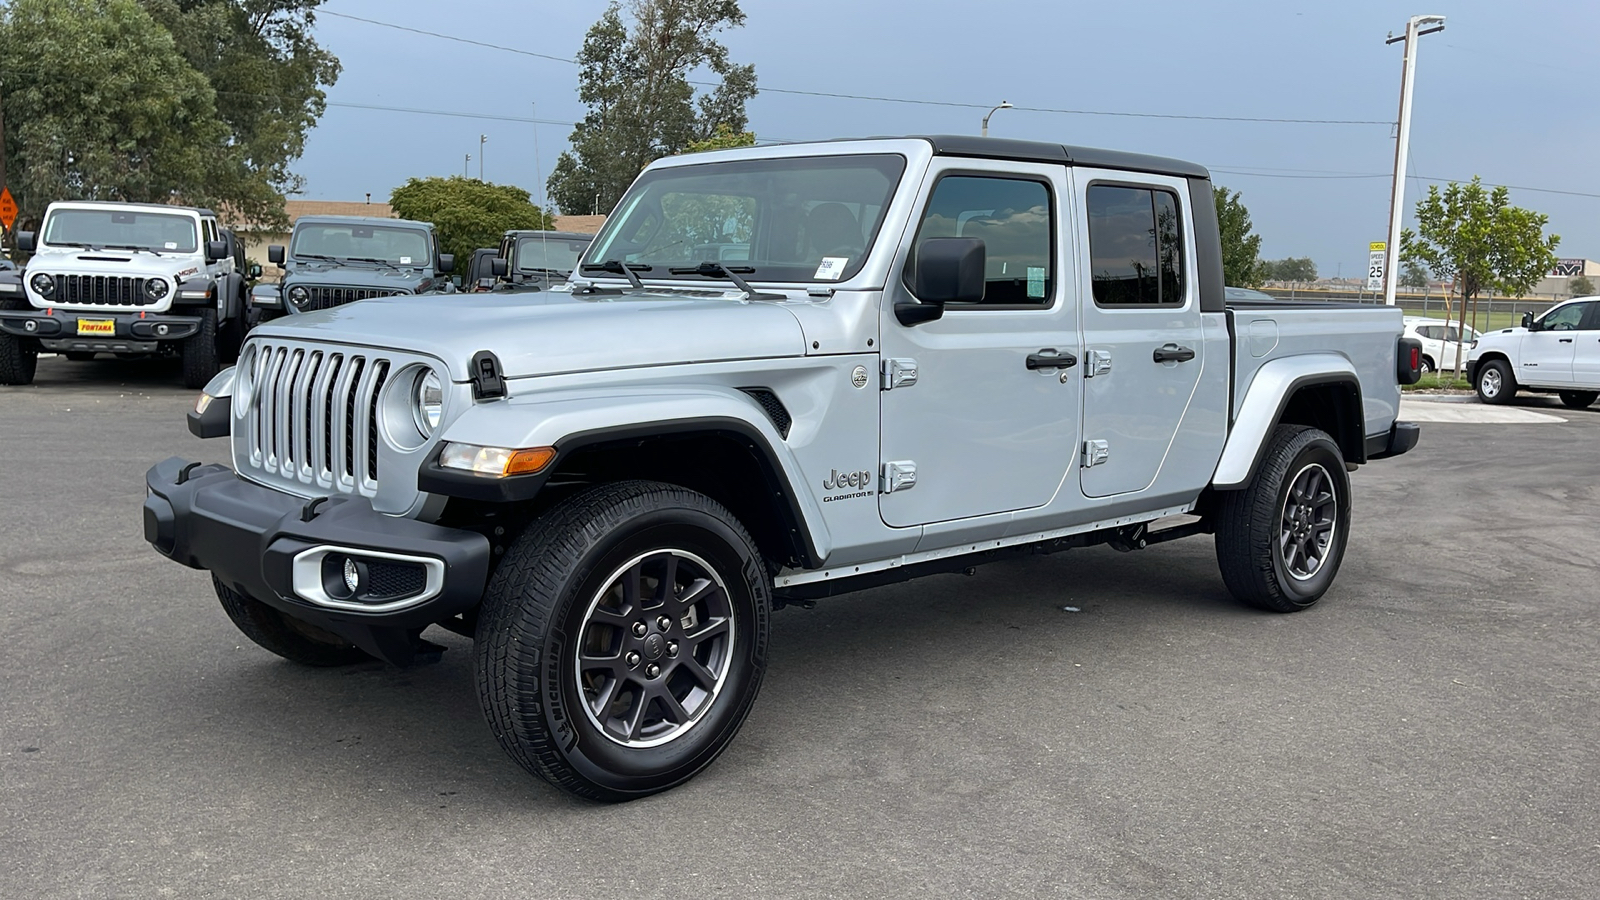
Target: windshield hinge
(488,381)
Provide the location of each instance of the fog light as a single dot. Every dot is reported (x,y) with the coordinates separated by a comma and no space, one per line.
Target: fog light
(162,330)
(30,325)
(352,575)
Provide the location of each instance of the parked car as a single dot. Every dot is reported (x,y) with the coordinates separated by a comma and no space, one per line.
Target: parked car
(1440,341)
(134,279)
(1558,352)
(534,260)
(610,485)
(334,260)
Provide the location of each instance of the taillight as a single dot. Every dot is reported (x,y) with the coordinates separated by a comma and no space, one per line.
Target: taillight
(1416,357)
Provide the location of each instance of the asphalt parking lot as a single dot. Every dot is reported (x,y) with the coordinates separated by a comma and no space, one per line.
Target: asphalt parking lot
(1429,730)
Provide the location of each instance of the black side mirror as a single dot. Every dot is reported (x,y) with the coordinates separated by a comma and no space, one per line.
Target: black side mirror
(275,255)
(498,267)
(1527,320)
(216,251)
(27,241)
(254,271)
(447,262)
(947,270)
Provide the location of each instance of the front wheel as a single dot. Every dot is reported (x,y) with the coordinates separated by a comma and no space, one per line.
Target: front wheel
(1495,382)
(1578,399)
(19,357)
(623,638)
(1280,540)
(201,359)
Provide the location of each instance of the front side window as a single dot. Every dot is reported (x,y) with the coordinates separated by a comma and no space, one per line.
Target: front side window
(545,255)
(806,219)
(119,230)
(1567,318)
(1012,217)
(362,243)
(1135,246)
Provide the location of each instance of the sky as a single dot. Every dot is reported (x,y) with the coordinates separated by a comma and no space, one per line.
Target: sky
(1500,93)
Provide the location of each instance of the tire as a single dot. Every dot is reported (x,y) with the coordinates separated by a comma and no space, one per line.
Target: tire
(1578,399)
(201,361)
(19,357)
(1495,382)
(284,635)
(1301,463)
(79,355)
(562,588)
(1428,368)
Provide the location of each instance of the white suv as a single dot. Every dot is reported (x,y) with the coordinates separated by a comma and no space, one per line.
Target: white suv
(1439,341)
(1559,352)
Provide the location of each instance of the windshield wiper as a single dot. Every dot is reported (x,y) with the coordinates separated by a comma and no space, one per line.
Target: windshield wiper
(77,244)
(381,262)
(133,247)
(716,269)
(618,267)
(316,256)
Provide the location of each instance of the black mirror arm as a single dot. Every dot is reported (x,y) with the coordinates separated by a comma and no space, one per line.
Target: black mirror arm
(911,313)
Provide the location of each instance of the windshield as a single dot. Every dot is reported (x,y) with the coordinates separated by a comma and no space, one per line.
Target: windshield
(803,219)
(161,232)
(536,253)
(396,246)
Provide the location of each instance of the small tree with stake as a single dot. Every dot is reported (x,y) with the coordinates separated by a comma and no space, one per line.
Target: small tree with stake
(1477,239)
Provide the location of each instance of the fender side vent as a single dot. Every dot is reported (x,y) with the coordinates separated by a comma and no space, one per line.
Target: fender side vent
(773,408)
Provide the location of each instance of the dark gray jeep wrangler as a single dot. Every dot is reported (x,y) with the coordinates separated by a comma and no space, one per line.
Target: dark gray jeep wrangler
(334,260)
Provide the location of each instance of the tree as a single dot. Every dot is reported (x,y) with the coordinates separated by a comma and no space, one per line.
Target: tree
(99,104)
(268,74)
(1478,240)
(1413,277)
(724,138)
(1580,286)
(467,212)
(1290,269)
(641,105)
(1241,250)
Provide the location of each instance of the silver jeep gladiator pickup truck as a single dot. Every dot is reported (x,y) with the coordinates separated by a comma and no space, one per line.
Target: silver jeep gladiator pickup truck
(782,373)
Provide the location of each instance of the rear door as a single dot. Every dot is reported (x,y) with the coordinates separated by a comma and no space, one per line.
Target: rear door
(1141,325)
(1586,358)
(1547,355)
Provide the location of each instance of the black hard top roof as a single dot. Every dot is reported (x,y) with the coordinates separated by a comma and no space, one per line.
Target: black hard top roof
(314,218)
(554,235)
(1040,151)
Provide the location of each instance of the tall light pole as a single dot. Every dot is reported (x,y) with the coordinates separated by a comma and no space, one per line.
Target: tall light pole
(1416,27)
(466,166)
(482,139)
(1004,104)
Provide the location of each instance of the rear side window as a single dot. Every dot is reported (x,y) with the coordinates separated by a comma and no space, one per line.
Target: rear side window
(1135,246)
(1012,218)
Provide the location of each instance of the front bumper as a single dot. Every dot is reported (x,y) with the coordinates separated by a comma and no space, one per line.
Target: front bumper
(257,540)
(130,332)
(1471,370)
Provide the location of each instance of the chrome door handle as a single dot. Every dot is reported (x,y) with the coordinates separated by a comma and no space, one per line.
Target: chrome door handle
(1172,353)
(1048,358)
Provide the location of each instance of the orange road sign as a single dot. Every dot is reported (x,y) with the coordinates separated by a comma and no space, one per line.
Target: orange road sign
(8,207)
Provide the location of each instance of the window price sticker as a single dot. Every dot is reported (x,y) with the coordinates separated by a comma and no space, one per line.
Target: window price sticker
(831,268)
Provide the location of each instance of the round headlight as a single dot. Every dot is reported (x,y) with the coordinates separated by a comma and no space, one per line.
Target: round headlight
(44,284)
(428,402)
(156,288)
(299,295)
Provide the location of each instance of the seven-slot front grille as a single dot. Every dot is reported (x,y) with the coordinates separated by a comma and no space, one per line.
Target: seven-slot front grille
(109,290)
(322,297)
(313,416)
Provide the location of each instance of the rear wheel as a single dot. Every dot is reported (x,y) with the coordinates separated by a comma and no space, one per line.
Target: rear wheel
(622,640)
(1578,399)
(1280,540)
(1428,368)
(201,361)
(1495,382)
(284,635)
(19,357)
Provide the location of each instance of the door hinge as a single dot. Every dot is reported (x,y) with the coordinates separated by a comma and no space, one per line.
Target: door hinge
(900,372)
(1095,453)
(1096,362)
(899,475)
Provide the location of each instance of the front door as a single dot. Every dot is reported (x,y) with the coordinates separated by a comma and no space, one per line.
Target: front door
(1546,355)
(982,431)
(1141,326)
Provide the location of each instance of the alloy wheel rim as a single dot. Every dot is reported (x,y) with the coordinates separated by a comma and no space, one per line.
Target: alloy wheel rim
(655,648)
(1491,383)
(1307,523)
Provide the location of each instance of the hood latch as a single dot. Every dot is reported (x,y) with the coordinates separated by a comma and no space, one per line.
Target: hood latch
(488,380)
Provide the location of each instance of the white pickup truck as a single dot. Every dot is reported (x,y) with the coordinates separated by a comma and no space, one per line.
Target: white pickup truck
(781,373)
(1556,353)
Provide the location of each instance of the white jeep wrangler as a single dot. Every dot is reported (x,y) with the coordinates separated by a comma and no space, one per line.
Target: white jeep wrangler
(124,278)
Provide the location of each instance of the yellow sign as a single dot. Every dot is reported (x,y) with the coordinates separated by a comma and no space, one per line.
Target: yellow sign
(107,327)
(1378,246)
